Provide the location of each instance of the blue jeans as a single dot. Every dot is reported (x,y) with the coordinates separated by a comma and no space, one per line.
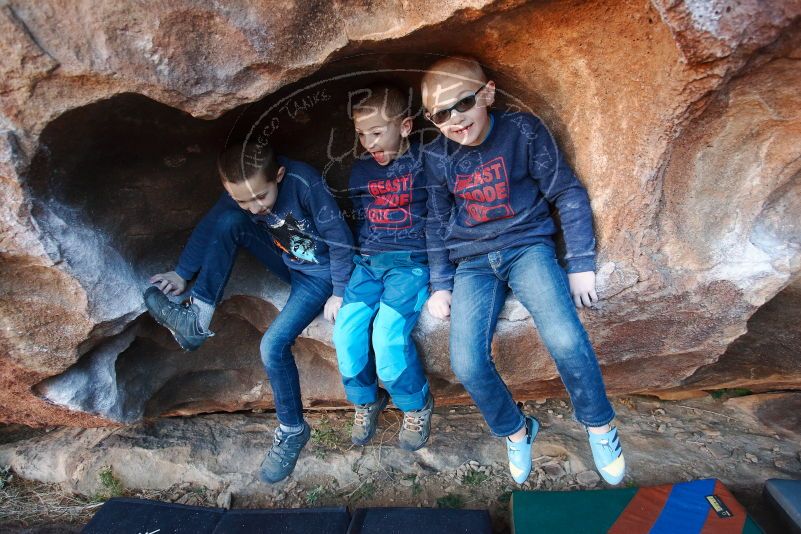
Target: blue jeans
(306,300)
(540,284)
(392,287)
(230,229)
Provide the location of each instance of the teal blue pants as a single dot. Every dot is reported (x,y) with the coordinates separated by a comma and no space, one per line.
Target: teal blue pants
(392,288)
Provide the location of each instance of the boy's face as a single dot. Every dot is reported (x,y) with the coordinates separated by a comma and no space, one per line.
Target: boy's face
(379,135)
(256,194)
(469,127)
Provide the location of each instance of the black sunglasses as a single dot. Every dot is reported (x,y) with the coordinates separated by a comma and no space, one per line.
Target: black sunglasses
(461,106)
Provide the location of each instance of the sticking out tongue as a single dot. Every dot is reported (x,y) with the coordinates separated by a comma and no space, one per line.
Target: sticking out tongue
(379,156)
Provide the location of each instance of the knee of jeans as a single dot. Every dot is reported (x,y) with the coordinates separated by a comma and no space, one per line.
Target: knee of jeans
(465,365)
(565,343)
(230,220)
(272,349)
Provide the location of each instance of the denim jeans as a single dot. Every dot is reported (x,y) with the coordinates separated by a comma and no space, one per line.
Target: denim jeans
(540,284)
(232,228)
(392,287)
(306,300)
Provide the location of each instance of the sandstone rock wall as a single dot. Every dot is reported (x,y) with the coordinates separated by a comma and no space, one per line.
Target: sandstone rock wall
(681,118)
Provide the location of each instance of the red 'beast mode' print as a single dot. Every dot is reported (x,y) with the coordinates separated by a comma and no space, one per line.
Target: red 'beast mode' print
(390,208)
(485,192)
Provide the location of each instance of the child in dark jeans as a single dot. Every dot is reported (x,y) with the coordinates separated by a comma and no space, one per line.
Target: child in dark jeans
(492,179)
(283,213)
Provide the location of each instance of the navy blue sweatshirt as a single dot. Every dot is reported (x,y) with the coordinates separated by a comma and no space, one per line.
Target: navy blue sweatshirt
(305,224)
(497,195)
(390,203)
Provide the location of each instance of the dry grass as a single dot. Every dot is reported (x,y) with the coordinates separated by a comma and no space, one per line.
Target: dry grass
(26,502)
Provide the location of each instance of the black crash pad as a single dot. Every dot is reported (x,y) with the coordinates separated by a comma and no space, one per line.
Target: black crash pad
(410,520)
(139,516)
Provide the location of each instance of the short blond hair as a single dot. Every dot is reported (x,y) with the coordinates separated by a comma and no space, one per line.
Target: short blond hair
(450,69)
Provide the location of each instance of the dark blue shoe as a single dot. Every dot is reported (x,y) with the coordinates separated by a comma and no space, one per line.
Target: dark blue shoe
(283,455)
(180,319)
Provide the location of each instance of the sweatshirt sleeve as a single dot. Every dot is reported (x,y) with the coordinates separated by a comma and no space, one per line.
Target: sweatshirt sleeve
(562,188)
(334,231)
(439,205)
(195,249)
(357,200)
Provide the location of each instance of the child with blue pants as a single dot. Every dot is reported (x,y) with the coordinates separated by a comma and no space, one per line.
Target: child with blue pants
(389,284)
(271,207)
(493,178)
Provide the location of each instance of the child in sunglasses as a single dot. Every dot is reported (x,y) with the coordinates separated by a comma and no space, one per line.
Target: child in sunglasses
(493,178)
(390,280)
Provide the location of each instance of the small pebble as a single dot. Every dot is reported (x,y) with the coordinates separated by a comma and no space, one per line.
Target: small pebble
(553,470)
(588,478)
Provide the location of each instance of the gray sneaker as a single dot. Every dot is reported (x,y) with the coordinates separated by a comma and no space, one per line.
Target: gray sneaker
(366,417)
(416,426)
(283,455)
(180,319)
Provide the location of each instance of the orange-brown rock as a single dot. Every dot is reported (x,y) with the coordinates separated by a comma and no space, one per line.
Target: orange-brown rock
(683,119)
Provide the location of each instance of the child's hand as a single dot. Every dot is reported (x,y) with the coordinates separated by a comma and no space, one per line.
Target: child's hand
(169,283)
(582,288)
(331,308)
(439,304)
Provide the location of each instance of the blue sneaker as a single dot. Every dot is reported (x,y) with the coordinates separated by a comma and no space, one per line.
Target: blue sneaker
(520,453)
(608,455)
(283,455)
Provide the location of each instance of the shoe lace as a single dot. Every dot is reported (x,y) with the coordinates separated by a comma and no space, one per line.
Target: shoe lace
(361,416)
(413,423)
(281,449)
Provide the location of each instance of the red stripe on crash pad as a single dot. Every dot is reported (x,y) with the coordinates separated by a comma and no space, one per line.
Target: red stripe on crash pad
(642,511)
(725,525)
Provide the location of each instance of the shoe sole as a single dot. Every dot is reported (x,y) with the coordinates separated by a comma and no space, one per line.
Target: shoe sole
(181,340)
(365,441)
(423,444)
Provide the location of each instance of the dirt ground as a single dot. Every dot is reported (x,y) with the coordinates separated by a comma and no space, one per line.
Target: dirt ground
(58,478)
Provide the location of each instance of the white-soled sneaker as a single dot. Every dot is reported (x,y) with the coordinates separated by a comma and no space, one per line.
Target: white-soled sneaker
(608,455)
(519,453)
